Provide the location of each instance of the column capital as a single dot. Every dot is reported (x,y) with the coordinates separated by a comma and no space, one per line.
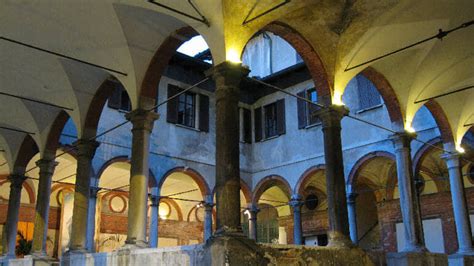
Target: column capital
(296,201)
(94,190)
(228,73)
(16,180)
(155,200)
(142,119)
(86,147)
(253,208)
(47,165)
(452,159)
(332,115)
(351,197)
(402,140)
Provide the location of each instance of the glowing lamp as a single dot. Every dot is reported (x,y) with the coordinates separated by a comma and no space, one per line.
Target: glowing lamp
(233,56)
(409,128)
(337,99)
(460,149)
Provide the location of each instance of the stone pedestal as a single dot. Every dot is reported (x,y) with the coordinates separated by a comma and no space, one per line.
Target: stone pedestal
(460,260)
(143,122)
(230,250)
(416,258)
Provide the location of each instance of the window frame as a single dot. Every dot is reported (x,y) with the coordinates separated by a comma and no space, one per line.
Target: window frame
(193,116)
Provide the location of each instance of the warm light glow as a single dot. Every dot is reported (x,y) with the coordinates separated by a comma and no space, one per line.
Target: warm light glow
(460,149)
(233,56)
(163,211)
(247,212)
(337,99)
(410,129)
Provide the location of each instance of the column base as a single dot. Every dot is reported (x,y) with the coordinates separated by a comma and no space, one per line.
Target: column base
(416,258)
(132,244)
(337,239)
(42,259)
(229,231)
(232,250)
(461,259)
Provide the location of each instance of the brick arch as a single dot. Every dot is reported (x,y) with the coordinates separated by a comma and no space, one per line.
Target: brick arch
(159,62)
(268,182)
(310,56)
(175,205)
(96,106)
(305,177)
(195,175)
(29,190)
(354,173)
(388,94)
(441,121)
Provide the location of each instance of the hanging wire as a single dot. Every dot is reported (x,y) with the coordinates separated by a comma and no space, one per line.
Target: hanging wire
(350,116)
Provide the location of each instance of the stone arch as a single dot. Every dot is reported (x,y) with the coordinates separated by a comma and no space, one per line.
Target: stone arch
(195,175)
(441,121)
(423,151)
(388,94)
(245,190)
(157,66)
(270,181)
(52,142)
(352,179)
(308,53)
(304,178)
(120,158)
(175,205)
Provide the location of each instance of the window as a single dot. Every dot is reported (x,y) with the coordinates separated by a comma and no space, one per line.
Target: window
(188,109)
(119,99)
(306,110)
(273,122)
(369,97)
(270,120)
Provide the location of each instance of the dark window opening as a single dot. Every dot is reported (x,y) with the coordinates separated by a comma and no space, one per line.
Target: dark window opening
(306,110)
(246,125)
(322,240)
(187,109)
(119,99)
(312,95)
(270,120)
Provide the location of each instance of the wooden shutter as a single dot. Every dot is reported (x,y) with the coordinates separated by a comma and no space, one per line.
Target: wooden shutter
(280,115)
(115,100)
(247,123)
(172,105)
(203,113)
(301,106)
(258,124)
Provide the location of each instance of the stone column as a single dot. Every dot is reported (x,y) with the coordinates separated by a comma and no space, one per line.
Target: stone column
(208,206)
(227,77)
(409,201)
(351,209)
(155,203)
(460,210)
(296,203)
(253,212)
(90,244)
(338,234)
(142,121)
(40,233)
(11,224)
(85,152)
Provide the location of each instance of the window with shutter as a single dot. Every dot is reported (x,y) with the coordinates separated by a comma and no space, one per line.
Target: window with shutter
(368,95)
(280,115)
(203,113)
(312,95)
(270,122)
(172,104)
(119,99)
(301,106)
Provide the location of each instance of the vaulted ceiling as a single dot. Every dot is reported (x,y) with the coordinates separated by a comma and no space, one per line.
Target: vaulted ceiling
(124,36)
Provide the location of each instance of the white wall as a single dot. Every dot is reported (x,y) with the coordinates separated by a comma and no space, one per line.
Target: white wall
(433,234)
